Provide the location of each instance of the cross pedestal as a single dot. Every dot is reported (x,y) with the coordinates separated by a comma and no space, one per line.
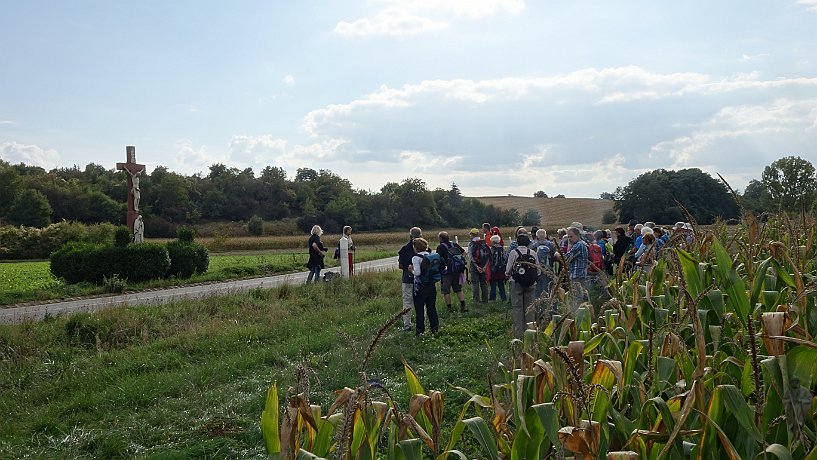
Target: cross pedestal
(134,170)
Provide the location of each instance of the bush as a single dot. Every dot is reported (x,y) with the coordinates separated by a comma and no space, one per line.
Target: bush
(255,226)
(77,262)
(122,236)
(145,261)
(609,217)
(186,234)
(187,259)
(39,243)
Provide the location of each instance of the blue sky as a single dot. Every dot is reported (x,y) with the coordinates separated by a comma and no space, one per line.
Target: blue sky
(499,96)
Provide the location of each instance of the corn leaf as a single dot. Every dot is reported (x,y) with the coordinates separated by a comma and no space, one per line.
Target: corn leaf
(731,283)
(778,450)
(412,449)
(484,436)
(269,421)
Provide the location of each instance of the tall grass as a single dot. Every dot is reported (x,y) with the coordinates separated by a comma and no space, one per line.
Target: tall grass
(187,380)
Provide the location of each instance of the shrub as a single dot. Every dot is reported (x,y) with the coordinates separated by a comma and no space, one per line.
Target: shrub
(255,226)
(157,227)
(186,234)
(145,261)
(609,217)
(122,236)
(39,243)
(77,262)
(114,284)
(187,259)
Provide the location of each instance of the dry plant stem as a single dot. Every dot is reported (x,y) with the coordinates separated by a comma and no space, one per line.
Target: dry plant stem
(650,345)
(755,370)
(380,334)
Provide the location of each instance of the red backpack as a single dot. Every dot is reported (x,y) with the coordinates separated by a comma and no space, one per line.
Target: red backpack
(596,259)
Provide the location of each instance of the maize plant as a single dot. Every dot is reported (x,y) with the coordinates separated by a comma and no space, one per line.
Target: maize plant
(709,355)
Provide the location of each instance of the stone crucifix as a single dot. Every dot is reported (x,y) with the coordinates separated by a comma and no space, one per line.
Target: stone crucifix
(134,171)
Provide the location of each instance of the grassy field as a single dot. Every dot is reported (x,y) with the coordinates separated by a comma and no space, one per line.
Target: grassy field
(32,281)
(188,380)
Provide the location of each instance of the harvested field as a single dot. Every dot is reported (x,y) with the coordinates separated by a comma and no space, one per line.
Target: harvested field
(555,212)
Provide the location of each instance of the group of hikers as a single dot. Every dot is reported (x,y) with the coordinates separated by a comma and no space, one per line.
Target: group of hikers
(578,259)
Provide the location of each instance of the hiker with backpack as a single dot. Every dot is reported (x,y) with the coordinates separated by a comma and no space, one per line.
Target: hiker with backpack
(427,270)
(404,256)
(545,250)
(499,262)
(454,265)
(523,269)
(480,255)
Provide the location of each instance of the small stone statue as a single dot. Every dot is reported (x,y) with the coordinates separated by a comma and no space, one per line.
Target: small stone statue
(138,230)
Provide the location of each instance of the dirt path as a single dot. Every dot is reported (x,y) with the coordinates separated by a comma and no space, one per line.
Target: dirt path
(163,296)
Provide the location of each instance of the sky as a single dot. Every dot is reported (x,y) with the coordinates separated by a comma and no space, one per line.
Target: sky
(498,96)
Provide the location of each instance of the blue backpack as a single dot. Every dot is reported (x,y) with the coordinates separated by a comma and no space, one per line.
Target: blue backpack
(543,252)
(498,259)
(430,268)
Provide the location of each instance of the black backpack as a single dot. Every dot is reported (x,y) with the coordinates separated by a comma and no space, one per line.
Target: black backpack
(525,270)
(480,253)
(455,261)
(498,260)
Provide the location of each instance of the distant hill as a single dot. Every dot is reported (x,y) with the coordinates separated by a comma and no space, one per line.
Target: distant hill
(555,212)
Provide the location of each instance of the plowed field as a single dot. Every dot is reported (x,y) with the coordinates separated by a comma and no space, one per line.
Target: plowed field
(555,212)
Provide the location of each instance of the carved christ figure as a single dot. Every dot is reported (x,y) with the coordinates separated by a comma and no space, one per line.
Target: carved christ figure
(134,189)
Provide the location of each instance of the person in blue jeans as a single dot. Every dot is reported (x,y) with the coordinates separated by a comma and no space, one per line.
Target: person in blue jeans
(317,251)
(425,290)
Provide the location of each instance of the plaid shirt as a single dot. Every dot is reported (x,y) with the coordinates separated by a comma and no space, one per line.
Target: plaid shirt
(577,260)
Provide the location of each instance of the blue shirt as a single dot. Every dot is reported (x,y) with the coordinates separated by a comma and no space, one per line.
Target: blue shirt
(577,260)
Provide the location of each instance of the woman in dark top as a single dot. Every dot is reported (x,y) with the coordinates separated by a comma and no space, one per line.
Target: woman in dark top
(316,253)
(621,245)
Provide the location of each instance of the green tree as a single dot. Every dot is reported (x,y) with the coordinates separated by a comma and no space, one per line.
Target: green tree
(31,209)
(789,182)
(101,208)
(540,194)
(10,185)
(531,217)
(661,196)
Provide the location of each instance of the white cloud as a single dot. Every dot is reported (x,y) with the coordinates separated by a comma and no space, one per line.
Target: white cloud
(811,5)
(192,160)
(8,122)
(391,21)
(474,9)
(288,80)
(559,126)
(753,57)
(29,154)
(412,17)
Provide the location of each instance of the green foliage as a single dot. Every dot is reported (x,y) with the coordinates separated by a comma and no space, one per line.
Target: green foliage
(122,236)
(186,234)
(38,243)
(77,262)
(255,226)
(662,196)
(531,217)
(789,184)
(187,258)
(609,217)
(114,284)
(30,208)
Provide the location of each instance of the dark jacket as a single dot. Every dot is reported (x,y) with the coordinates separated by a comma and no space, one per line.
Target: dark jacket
(315,257)
(620,247)
(404,256)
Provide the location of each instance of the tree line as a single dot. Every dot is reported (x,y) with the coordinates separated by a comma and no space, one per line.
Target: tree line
(786,185)
(32,196)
